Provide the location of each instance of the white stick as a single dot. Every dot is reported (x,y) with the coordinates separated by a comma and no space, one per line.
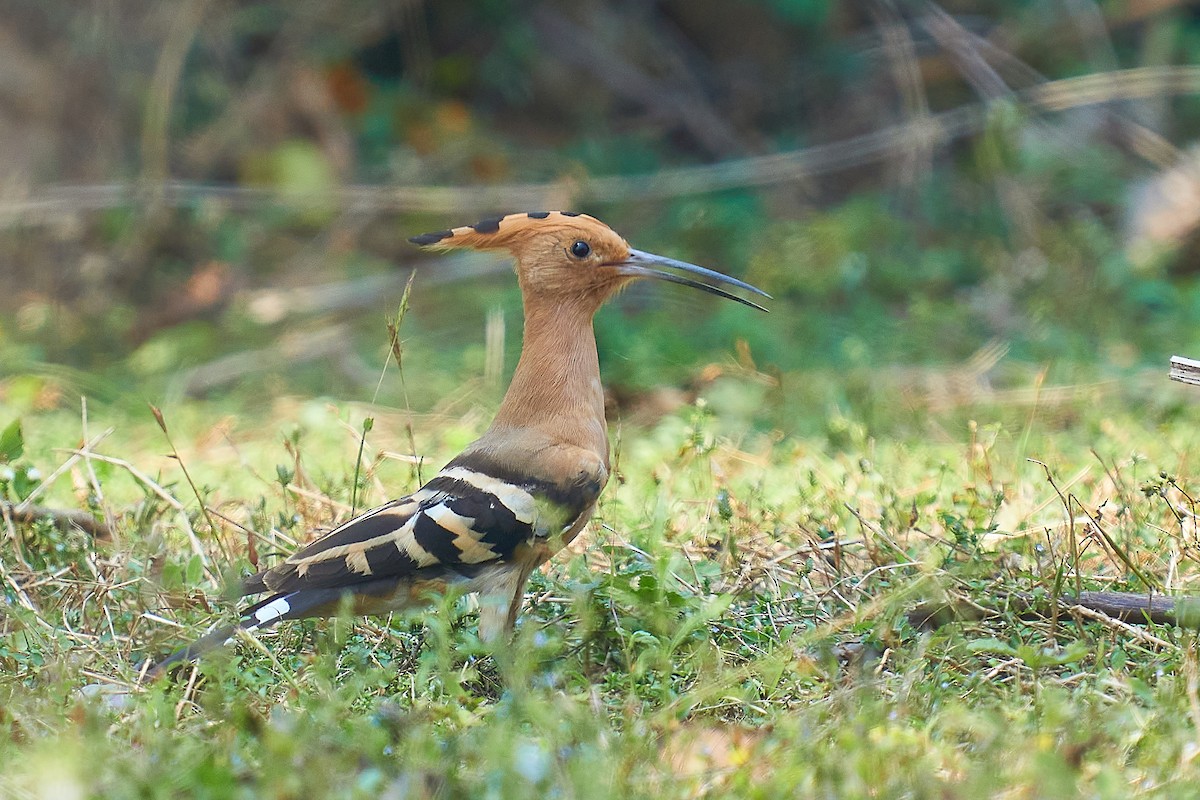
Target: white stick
(1185,370)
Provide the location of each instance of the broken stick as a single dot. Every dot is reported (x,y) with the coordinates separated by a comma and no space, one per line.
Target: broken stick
(1185,370)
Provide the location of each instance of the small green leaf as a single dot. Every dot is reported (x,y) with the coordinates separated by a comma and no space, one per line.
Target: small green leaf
(724,506)
(771,673)
(25,479)
(12,442)
(645,638)
(172,576)
(194,572)
(647,588)
(994,646)
(284,474)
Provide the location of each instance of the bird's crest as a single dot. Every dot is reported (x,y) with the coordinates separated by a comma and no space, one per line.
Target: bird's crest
(502,232)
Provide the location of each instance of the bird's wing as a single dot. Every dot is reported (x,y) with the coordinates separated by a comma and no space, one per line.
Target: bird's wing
(469,517)
(460,518)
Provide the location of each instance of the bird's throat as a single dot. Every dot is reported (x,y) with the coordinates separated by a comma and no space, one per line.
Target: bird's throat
(556,387)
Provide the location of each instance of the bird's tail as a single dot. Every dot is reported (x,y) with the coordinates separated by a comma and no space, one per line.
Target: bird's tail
(261,615)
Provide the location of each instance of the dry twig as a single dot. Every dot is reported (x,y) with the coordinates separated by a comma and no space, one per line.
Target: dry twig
(1125,607)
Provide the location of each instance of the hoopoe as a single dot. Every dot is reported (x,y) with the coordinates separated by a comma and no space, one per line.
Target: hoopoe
(519,493)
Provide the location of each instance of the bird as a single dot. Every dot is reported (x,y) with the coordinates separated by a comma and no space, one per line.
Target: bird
(520,492)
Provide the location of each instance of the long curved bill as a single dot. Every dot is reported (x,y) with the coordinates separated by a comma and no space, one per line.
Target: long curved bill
(641,264)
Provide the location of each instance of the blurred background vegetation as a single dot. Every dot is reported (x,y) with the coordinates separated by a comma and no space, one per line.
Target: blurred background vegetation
(972,202)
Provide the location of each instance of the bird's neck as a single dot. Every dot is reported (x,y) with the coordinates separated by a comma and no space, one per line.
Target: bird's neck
(556,388)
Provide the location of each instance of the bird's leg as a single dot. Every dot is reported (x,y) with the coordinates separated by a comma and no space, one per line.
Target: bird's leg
(500,603)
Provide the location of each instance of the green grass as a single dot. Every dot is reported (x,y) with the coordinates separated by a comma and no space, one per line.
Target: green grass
(733,623)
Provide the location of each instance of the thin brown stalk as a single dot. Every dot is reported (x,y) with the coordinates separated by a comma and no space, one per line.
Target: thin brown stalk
(162,424)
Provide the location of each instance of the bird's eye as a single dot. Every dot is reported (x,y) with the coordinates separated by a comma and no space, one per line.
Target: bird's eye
(581,249)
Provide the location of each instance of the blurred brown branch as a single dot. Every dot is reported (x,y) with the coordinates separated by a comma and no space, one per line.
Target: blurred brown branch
(585,47)
(1126,607)
(904,65)
(982,63)
(1052,96)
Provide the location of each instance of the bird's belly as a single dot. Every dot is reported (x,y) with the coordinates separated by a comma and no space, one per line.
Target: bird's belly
(404,595)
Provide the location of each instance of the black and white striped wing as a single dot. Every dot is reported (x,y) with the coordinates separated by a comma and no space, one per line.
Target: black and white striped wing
(457,524)
(459,518)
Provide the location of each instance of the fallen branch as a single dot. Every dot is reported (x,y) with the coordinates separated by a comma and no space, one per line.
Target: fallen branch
(64,519)
(1126,607)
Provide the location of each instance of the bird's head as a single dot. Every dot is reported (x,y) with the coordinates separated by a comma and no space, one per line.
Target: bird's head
(564,256)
